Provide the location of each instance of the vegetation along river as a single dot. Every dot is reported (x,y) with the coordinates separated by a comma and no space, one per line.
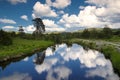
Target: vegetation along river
(61,62)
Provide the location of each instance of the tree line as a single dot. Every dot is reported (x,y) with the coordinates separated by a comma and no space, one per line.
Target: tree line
(105,33)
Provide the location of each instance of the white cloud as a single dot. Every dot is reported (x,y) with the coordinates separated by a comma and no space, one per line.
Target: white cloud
(88,18)
(105,3)
(24,17)
(81,7)
(49,23)
(26,59)
(17,76)
(47,65)
(70,22)
(102,13)
(61,12)
(50,26)
(62,72)
(42,10)
(69,19)
(60,4)
(106,72)
(17,1)
(109,9)
(10,28)
(91,16)
(48,51)
(7,21)
(29,28)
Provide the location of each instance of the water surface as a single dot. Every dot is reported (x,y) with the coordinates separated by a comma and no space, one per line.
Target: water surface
(61,63)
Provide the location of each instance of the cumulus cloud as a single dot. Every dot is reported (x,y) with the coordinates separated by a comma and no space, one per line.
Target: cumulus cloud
(24,17)
(69,21)
(42,10)
(107,11)
(52,26)
(10,28)
(46,66)
(48,51)
(29,28)
(61,12)
(17,1)
(60,4)
(59,72)
(106,72)
(86,18)
(17,76)
(7,21)
(98,15)
(89,58)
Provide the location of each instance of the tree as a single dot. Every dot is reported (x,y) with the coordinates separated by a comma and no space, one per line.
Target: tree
(13,34)
(21,32)
(5,38)
(40,58)
(86,33)
(94,33)
(40,27)
(107,32)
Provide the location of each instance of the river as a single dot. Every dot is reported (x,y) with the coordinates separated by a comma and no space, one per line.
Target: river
(61,62)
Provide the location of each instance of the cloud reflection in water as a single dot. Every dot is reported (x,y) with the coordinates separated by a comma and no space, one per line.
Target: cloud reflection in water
(17,76)
(60,72)
(92,60)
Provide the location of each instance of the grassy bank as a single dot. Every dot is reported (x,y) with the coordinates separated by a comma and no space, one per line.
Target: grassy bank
(110,51)
(22,47)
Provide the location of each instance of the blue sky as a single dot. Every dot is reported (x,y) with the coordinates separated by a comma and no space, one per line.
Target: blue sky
(59,15)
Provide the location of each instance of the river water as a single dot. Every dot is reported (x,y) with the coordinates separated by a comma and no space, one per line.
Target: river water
(61,62)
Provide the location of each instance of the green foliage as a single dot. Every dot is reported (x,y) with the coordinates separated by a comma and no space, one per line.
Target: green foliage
(107,32)
(40,27)
(86,33)
(113,54)
(5,38)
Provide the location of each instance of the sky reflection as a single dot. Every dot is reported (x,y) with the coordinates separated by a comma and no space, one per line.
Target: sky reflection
(93,60)
(61,63)
(17,76)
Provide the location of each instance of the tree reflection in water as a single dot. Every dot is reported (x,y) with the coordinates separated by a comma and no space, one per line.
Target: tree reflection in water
(39,57)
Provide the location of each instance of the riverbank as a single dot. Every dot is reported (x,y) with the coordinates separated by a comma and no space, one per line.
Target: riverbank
(22,47)
(109,49)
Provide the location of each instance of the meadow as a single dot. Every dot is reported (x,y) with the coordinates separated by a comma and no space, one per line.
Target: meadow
(22,47)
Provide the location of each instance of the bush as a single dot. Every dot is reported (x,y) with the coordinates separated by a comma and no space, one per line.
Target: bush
(5,38)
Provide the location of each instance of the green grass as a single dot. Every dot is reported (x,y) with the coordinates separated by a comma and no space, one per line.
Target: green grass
(22,46)
(113,55)
(114,39)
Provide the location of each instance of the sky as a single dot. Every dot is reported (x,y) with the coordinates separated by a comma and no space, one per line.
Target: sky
(59,15)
